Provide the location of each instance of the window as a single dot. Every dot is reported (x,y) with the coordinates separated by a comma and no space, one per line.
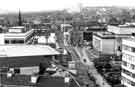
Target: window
(124,63)
(12,41)
(125,47)
(124,56)
(132,83)
(133,75)
(6,41)
(132,66)
(17,70)
(133,49)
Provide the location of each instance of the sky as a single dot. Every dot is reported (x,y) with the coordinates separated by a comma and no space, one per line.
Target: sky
(46,5)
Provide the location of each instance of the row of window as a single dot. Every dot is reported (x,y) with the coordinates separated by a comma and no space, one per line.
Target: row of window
(128,73)
(13,41)
(128,48)
(131,66)
(125,80)
(128,57)
(97,44)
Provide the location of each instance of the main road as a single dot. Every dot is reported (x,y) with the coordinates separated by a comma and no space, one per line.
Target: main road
(84,55)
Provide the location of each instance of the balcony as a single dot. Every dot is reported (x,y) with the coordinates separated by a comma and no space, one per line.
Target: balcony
(128,77)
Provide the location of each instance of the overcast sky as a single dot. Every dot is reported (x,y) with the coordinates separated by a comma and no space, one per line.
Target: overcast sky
(39,5)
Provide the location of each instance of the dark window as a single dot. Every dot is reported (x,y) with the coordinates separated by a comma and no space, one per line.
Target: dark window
(17,70)
(12,41)
(132,66)
(6,41)
(20,41)
(133,49)
(124,63)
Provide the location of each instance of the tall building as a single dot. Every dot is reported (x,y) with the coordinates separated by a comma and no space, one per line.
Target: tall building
(128,62)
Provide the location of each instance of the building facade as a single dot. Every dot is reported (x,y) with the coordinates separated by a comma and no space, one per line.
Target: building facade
(17,35)
(19,64)
(128,62)
(104,42)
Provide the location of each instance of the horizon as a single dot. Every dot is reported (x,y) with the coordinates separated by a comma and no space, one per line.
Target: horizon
(26,6)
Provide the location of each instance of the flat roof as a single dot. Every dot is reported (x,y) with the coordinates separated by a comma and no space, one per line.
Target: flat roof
(132,38)
(17,27)
(105,35)
(123,26)
(26,50)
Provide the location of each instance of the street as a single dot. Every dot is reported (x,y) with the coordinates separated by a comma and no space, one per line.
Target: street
(92,70)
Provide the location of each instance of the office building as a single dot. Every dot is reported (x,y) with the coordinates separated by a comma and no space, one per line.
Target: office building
(104,42)
(17,35)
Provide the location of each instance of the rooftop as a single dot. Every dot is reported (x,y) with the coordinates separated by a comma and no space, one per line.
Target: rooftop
(26,50)
(127,25)
(105,34)
(25,80)
(132,38)
(17,27)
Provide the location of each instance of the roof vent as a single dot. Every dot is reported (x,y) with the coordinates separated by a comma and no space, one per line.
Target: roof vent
(9,74)
(11,70)
(34,79)
(66,79)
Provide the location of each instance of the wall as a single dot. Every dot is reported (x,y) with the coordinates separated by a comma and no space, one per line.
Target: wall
(108,46)
(2,39)
(97,43)
(24,61)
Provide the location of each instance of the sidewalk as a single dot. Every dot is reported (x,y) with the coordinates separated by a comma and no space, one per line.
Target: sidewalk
(92,70)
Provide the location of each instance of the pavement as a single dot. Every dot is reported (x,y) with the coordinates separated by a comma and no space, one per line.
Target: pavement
(82,52)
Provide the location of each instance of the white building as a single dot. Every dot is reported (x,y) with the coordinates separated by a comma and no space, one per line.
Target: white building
(104,42)
(128,62)
(111,42)
(52,38)
(16,35)
(65,27)
(121,29)
(45,40)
